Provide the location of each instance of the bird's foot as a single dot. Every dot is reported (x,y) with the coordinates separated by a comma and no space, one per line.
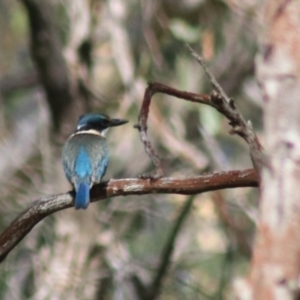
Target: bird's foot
(151,176)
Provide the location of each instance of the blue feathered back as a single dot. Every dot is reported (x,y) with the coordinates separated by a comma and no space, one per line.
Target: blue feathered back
(85,160)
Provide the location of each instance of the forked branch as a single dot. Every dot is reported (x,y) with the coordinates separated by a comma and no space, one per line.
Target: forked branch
(217,99)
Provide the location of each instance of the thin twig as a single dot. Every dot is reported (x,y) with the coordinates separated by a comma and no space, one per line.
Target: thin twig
(211,77)
(226,106)
(152,89)
(44,207)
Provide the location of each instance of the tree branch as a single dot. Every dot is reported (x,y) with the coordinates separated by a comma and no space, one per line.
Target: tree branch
(215,100)
(152,89)
(226,106)
(40,209)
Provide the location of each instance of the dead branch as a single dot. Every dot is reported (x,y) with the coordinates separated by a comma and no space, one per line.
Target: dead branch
(152,89)
(224,105)
(44,207)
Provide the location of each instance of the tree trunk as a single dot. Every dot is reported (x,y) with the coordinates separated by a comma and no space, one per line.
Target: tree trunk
(275,265)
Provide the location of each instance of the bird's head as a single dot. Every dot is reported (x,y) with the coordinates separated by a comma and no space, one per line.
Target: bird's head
(97,122)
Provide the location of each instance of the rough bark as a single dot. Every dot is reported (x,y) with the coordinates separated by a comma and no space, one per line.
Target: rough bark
(275,265)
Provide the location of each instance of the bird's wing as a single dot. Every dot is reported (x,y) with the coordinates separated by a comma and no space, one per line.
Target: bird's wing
(100,152)
(96,147)
(76,160)
(100,170)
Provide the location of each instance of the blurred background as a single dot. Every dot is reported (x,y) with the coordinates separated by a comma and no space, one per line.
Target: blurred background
(69,57)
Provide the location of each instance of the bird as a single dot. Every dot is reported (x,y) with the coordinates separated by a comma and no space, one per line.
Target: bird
(85,155)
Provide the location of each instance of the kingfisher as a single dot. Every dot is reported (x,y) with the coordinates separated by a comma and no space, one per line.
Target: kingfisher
(85,155)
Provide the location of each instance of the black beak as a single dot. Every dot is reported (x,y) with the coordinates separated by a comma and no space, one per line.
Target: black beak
(117,122)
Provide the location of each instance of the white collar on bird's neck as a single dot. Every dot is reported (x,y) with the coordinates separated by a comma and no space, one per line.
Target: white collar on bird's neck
(90,131)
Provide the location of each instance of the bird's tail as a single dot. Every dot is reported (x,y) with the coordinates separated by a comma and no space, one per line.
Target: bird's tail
(82,199)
